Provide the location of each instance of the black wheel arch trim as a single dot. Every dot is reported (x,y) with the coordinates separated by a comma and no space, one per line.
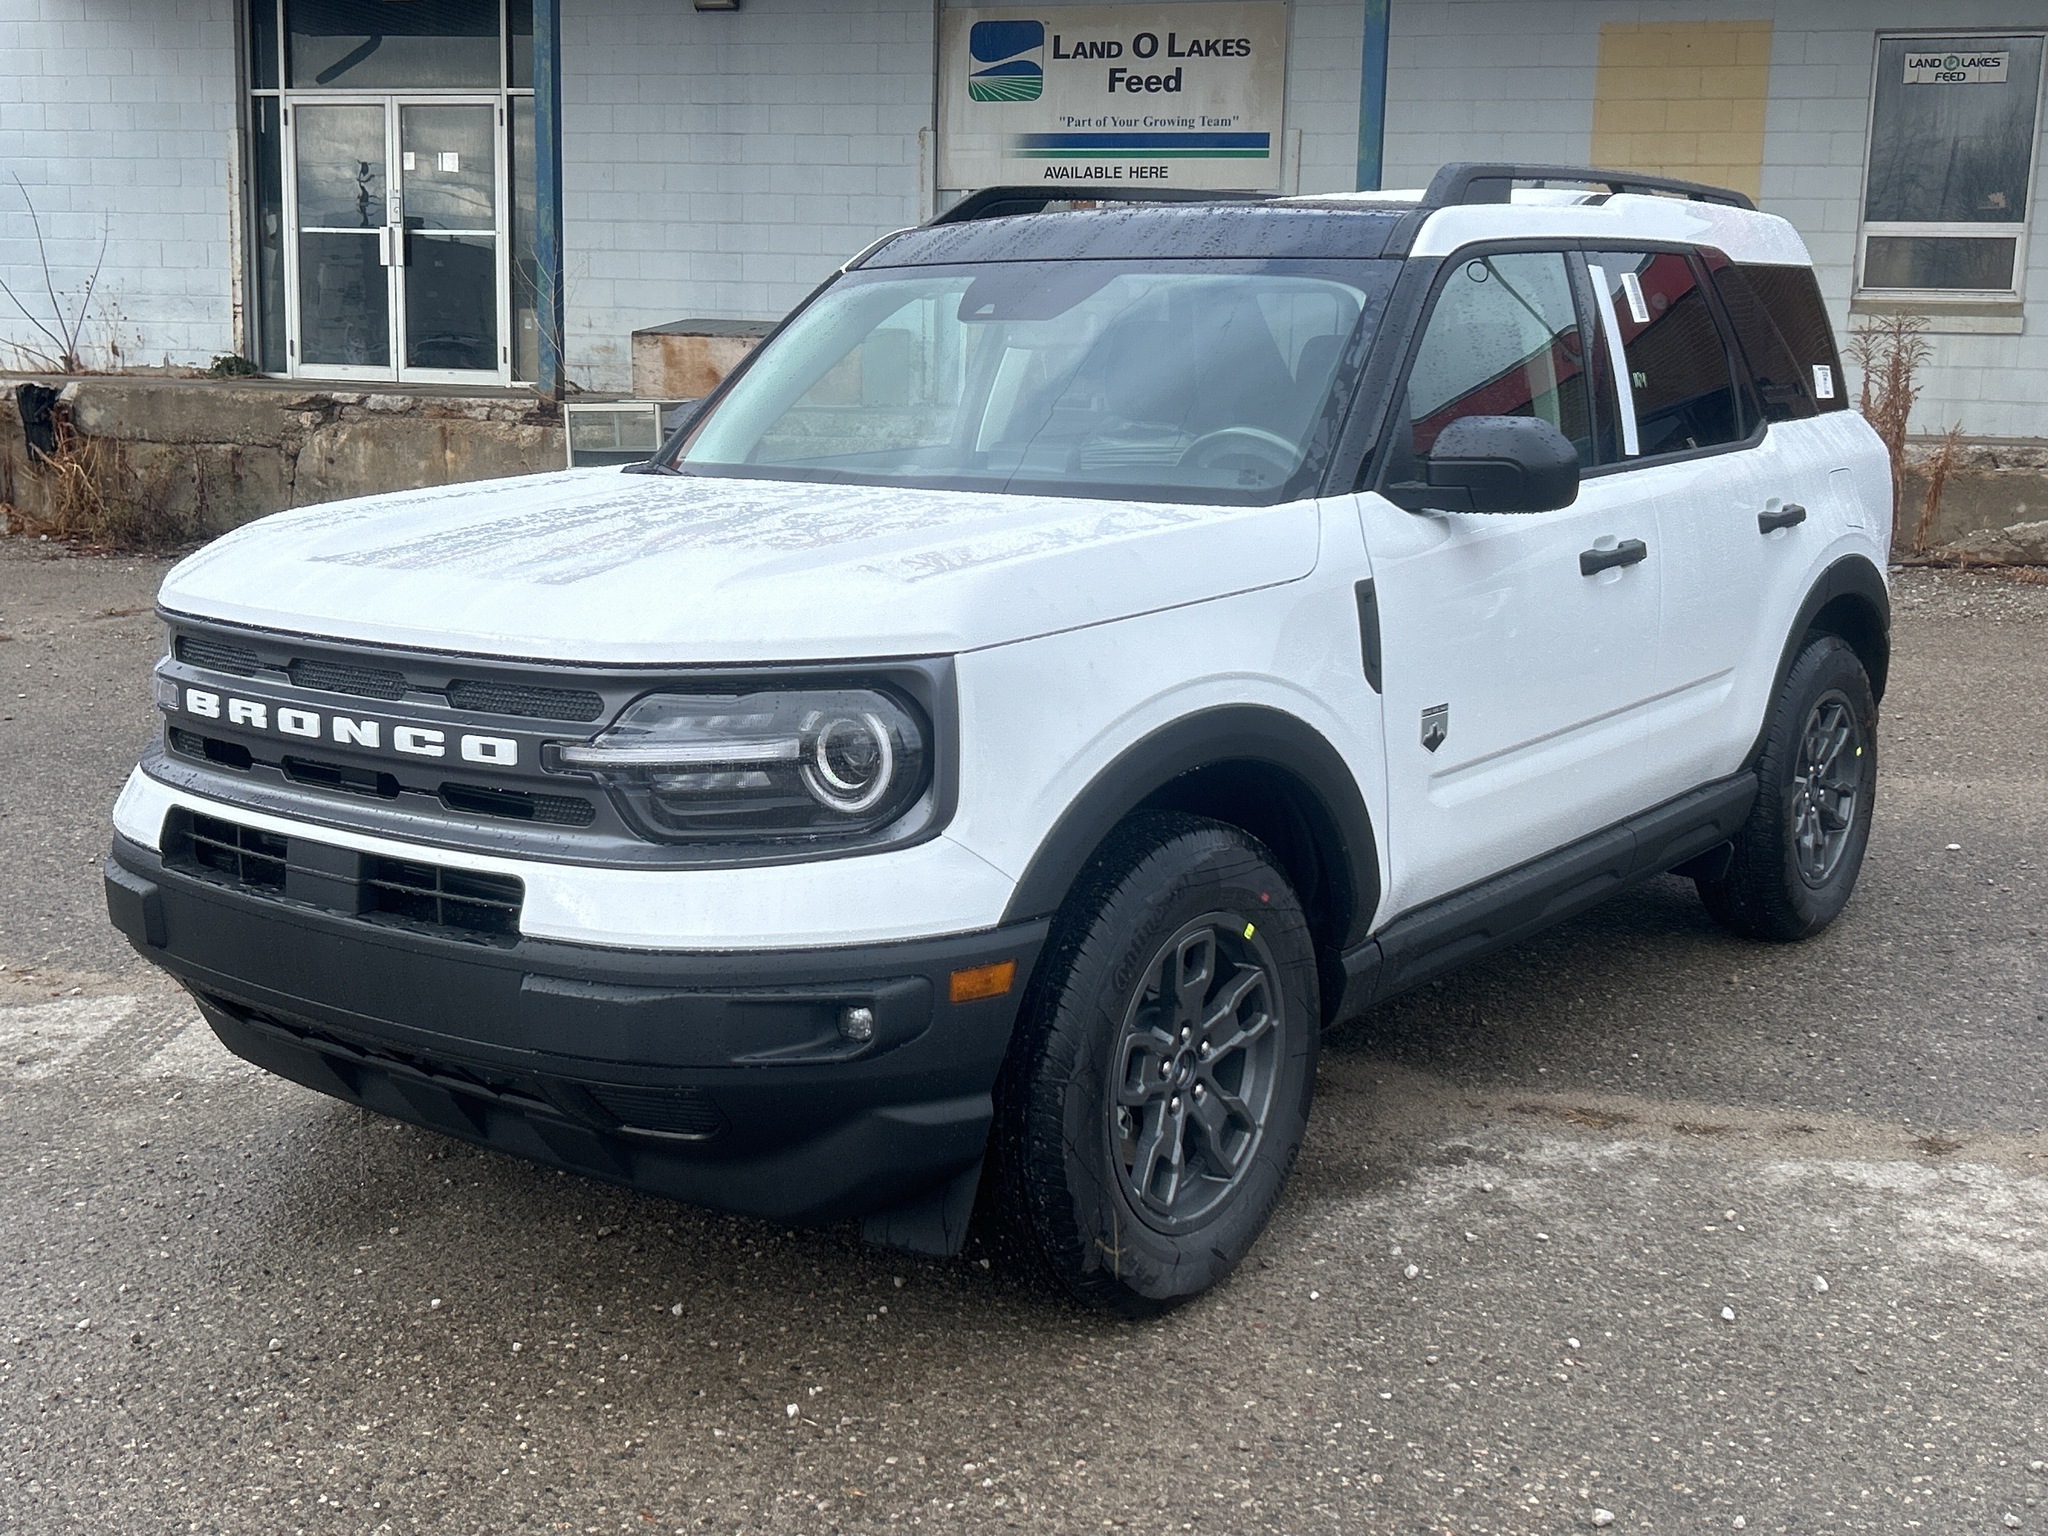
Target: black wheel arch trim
(1850,600)
(1254,735)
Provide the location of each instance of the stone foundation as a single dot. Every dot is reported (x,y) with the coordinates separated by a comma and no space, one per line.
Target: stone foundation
(217,453)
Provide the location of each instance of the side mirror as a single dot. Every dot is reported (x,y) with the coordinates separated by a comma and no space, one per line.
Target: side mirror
(1494,464)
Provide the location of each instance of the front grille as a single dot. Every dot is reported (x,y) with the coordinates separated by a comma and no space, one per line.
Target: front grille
(346,777)
(434,897)
(227,852)
(522,699)
(339,677)
(228,754)
(518,805)
(203,651)
(408,892)
(365,680)
(667,1111)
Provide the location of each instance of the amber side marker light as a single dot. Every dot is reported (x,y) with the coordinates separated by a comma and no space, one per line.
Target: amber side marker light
(982,981)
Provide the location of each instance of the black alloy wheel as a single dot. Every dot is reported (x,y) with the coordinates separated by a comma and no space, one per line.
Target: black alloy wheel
(1828,780)
(1195,1068)
(1794,864)
(1158,1086)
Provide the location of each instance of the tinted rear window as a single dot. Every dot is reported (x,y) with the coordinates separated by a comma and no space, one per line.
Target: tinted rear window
(1784,334)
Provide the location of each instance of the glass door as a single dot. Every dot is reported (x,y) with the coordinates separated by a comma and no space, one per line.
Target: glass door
(341,159)
(399,212)
(449,287)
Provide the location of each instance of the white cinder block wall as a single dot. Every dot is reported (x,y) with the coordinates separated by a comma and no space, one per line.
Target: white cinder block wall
(718,166)
(118,116)
(1514,79)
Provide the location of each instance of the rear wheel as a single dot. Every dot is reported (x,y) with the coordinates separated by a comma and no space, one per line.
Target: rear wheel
(1158,1089)
(1796,859)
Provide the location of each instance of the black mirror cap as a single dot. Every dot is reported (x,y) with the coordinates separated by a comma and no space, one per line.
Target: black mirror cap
(1495,464)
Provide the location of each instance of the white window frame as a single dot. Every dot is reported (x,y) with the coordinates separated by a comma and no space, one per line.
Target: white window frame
(1866,228)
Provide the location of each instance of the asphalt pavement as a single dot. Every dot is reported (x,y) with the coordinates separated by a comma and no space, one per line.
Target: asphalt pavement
(1635,1226)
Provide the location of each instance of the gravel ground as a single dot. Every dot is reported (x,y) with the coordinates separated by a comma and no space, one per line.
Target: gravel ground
(1634,1226)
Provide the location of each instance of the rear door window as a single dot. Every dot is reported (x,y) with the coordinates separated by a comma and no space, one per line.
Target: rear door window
(1674,357)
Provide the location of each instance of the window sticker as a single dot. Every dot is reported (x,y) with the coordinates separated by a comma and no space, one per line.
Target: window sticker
(1632,289)
(1823,382)
(450,160)
(407,160)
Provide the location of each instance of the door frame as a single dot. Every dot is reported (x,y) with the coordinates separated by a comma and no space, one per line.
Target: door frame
(501,238)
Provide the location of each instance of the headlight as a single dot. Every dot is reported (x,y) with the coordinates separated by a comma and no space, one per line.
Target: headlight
(805,763)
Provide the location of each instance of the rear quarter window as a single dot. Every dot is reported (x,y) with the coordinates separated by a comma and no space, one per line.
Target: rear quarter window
(1785,336)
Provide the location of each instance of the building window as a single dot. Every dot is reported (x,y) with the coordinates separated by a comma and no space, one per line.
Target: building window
(1953,124)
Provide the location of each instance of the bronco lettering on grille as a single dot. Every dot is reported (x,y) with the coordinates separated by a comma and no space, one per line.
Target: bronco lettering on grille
(310,725)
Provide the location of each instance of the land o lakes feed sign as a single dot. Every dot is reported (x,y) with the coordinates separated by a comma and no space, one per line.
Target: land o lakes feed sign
(1118,95)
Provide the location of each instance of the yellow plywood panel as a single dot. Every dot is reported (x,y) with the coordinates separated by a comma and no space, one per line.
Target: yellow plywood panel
(1684,99)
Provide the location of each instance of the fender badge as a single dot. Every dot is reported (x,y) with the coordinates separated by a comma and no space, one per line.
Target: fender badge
(1436,725)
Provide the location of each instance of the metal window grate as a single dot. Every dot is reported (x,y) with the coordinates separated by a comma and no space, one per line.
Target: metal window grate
(520,699)
(218,849)
(442,898)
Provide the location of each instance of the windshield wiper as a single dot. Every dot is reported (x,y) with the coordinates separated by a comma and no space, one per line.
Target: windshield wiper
(649,467)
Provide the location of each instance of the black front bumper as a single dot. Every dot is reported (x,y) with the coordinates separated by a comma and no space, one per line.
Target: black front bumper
(718,1079)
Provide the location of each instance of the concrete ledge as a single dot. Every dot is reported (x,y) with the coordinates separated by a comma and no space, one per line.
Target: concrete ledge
(222,452)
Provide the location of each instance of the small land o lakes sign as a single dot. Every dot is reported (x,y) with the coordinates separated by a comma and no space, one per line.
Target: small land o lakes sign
(1957,67)
(1116,95)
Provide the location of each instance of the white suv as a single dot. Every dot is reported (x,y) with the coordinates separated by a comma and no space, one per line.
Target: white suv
(1080,656)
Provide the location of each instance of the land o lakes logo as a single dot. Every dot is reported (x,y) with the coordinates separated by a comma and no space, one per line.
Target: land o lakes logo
(1008,61)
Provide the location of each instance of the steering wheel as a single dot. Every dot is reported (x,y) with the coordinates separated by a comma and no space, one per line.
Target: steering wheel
(1219,449)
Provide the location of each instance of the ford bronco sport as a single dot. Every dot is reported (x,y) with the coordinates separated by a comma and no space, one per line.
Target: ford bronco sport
(1083,653)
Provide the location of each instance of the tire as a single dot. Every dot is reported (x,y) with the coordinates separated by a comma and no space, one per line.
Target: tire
(1796,859)
(1105,1086)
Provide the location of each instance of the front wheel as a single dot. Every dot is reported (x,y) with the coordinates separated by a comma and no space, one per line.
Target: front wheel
(1158,1089)
(1796,859)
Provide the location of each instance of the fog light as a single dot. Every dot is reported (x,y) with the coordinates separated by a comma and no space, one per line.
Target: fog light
(857,1024)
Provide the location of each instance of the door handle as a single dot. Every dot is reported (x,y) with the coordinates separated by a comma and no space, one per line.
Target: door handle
(1790,515)
(1628,552)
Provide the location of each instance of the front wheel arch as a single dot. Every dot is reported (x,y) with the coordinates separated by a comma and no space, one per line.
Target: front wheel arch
(1264,771)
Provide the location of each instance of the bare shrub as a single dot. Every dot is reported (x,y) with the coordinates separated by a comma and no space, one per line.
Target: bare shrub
(1938,465)
(1890,350)
(92,495)
(59,348)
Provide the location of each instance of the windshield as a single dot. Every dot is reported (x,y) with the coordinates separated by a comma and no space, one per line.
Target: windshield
(1195,381)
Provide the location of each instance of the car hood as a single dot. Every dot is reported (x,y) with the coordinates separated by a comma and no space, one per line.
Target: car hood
(592,565)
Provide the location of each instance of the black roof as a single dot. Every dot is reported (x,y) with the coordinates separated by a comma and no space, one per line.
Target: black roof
(1218,230)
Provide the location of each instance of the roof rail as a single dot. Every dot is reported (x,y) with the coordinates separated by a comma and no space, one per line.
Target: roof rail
(1472,181)
(1004,202)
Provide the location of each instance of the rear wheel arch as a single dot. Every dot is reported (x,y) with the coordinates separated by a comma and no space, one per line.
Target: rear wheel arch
(1259,769)
(1850,600)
